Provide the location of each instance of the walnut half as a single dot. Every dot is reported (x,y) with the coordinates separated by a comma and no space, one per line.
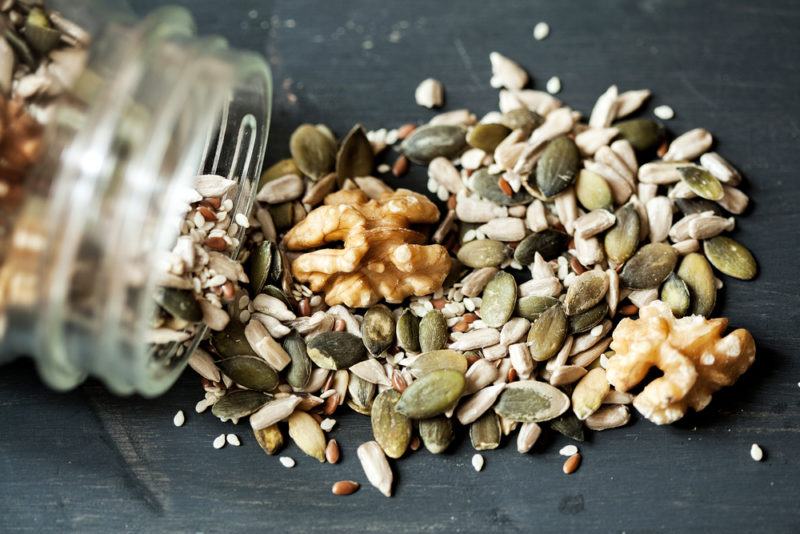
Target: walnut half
(381,257)
(695,358)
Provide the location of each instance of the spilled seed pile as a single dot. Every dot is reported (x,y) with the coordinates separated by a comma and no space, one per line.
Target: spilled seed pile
(496,311)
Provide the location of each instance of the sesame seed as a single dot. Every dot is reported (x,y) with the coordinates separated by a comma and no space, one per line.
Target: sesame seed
(383,168)
(568,450)
(327,424)
(541,31)
(664,112)
(179,418)
(286,462)
(233,439)
(756,453)
(477,462)
(219,441)
(241,220)
(553,85)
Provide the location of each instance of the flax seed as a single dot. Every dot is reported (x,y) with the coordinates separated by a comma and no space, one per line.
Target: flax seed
(405,130)
(400,166)
(304,307)
(572,463)
(345,487)
(332,452)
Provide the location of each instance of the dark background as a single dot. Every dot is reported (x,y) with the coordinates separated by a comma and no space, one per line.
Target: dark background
(87,461)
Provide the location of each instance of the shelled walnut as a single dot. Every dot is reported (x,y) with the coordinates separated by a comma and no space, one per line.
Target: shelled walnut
(381,258)
(694,357)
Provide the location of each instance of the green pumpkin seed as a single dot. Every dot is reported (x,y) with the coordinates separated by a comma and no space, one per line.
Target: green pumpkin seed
(273,291)
(454,274)
(312,151)
(259,265)
(282,215)
(547,333)
(392,430)
(690,206)
(299,370)
(702,183)
(675,294)
(558,166)
(583,322)
(699,277)
(238,404)
(407,332)
(180,303)
(522,119)
(39,33)
(433,331)
(22,50)
(482,253)
(530,401)
(586,291)
(251,372)
(432,394)
(549,243)
(355,157)
(487,136)
(279,170)
(435,360)
(276,267)
(336,350)
(499,299)
(532,306)
(485,433)
(361,392)
(377,329)
(432,141)
(593,191)
(650,266)
(642,134)
(232,341)
(270,438)
(730,257)
(622,239)
(487,186)
(568,425)
(436,433)
(589,393)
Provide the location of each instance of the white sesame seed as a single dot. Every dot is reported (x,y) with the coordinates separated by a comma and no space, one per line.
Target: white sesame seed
(568,450)
(664,112)
(227,204)
(327,424)
(756,453)
(541,31)
(286,462)
(384,168)
(477,462)
(201,406)
(241,220)
(233,439)
(554,85)
(179,418)
(219,441)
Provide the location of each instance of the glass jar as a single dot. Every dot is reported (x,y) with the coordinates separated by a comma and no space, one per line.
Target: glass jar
(155,106)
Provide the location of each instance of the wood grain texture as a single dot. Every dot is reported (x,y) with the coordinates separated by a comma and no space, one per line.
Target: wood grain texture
(86,461)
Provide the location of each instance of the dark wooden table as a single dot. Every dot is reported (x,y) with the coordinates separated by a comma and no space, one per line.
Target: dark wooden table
(86,461)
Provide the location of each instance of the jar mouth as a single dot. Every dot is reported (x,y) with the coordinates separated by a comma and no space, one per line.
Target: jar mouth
(167,107)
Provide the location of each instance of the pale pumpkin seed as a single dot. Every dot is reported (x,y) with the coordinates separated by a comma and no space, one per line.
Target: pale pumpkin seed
(251,372)
(180,303)
(238,404)
(278,170)
(487,136)
(307,435)
(557,166)
(407,332)
(499,299)
(589,393)
(431,141)
(675,293)
(568,425)
(650,266)
(642,134)
(730,257)
(232,341)
(592,191)
(259,265)
(482,253)
(299,370)
(312,151)
(532,306)
(699,277)
(270,438)
(522,119)
(392,430)
(336,350)
(690,206)
(485,433)
(530,401)
(361,392)
(583,322)
(432,394)
(549,243)
(435,360)
(487,186)
(547,333)
(436,433)
(702,183)
(355,157)
(621,241)
(377,329)
(433,331)
(586,291)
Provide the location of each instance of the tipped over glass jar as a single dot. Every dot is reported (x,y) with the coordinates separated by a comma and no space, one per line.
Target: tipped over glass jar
(114,136)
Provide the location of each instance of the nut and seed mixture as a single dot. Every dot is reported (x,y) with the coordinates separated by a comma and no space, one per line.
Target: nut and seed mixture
(566,257)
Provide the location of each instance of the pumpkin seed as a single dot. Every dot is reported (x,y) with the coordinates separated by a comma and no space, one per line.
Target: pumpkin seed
(259,265)
(568,425)
(431,141)
(730,257)
(407,332)
(282,215)
(377,329)
(547,333)
(485,433)
(487,136)
(39,33)
(587,320)
(675,294)
(482,253)
(312,151)
(433,332)
(336,350)
(251,372)
(589,393)
(691,206)
(593,191)
(530,401)
(232,341)
(642,134)
(299,370)
(392,430)
(307,435)
(427,362)
(702,183)
(180,303)
(699,277)
(549,243)
(557,166)
(282,168)
(650,266)
(355,157)
(586,291)
(238,404)
(361,392)
(270,438)
(620,242)
(276,267)
(486,185)
(432,394)
(436,433)
(498,300)
(531,307)
(522,119)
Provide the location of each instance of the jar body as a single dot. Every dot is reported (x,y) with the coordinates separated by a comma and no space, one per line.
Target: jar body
(154,107)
